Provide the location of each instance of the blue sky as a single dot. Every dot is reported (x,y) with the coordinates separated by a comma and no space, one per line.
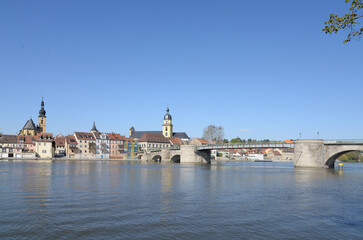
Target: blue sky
(260,69)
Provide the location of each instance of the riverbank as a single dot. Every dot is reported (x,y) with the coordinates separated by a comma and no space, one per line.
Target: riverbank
(67,159)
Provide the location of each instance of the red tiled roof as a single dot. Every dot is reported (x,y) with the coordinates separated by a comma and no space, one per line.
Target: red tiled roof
(201,141)
(71,139)
(276,153)
(8,138)
(115,136)
(43,137)
(60,141)
(84,136)
(28,139)
(158,138)
(126,139)
(176,141)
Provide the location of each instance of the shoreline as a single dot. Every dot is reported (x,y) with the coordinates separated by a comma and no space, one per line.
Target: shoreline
(66,159)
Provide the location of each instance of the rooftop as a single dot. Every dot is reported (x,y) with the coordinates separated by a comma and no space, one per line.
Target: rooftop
(158,138)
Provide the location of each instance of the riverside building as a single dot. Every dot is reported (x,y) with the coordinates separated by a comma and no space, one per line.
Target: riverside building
(159,139)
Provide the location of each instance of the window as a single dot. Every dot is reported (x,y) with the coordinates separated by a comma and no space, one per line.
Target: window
(44,151)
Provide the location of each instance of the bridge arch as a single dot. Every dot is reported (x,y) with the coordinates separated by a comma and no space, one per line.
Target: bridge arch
(157,158)
(175,158)
(320,153)
(334,151)
(329,162)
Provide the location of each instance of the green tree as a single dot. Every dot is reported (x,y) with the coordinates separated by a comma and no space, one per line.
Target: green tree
(348,21)
(350,156)
(236,140)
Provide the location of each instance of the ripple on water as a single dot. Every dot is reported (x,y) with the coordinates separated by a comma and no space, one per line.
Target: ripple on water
(89,200)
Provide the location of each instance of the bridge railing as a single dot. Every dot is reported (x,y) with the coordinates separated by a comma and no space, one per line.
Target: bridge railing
(240,146)
(343,141)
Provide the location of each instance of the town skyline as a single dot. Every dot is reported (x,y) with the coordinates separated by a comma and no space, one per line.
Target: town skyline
(119,64)
(126,132)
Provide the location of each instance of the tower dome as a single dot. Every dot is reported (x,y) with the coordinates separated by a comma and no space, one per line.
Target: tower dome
(167,116)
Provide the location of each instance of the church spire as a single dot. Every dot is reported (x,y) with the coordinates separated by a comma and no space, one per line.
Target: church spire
(42,112)
(94,129)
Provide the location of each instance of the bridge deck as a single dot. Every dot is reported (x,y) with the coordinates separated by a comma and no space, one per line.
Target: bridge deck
(240,146)
(344,142)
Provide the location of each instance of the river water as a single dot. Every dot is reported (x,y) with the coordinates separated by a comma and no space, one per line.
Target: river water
(131,200)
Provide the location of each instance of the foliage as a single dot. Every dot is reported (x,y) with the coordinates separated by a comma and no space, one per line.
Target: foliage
(348,21)
(351,156)
(238,140)
(215,133)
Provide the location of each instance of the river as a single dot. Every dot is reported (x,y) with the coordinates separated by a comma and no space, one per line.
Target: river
(132,200)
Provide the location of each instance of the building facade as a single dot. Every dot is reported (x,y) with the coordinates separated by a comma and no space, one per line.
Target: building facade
(60,149)
(153,141)
(86,145)
(71,146)
(44,145)
(116,145)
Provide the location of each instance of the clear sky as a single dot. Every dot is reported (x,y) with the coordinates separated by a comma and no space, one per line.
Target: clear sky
(261,69)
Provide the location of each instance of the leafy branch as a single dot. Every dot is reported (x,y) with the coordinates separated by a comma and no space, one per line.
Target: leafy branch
(349,21)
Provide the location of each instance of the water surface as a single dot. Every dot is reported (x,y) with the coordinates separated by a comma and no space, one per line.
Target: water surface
(131,200)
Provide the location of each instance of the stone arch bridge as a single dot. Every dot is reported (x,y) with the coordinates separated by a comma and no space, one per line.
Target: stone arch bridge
(320,153)
(307,153)
(198,153)
(184,154)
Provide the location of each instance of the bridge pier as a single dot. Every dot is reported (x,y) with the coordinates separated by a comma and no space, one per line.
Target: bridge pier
(309,153)
(190,154)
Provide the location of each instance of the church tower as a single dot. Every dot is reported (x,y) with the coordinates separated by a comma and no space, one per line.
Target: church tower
(42,118)
(94,129)
(167,126)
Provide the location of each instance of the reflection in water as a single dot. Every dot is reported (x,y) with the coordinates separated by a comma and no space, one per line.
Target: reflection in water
(166,197)
(131,200)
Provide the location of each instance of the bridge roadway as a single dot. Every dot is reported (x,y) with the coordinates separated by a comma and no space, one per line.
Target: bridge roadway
(242,146)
